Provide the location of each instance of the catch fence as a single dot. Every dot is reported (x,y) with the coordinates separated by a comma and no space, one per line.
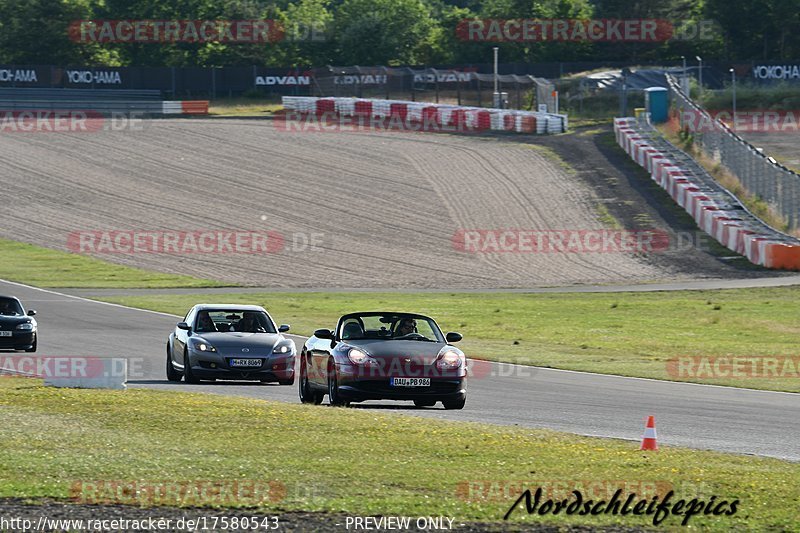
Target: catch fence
(759,173)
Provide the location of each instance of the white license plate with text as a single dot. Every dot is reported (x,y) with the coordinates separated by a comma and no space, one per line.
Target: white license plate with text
(248,363)
(410,382)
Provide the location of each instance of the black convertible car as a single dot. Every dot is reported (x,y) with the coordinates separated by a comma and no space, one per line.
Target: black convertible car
(384,355)
(18,329)
(238,342)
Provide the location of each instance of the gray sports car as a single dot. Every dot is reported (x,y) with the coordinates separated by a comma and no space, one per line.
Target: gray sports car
(238,342)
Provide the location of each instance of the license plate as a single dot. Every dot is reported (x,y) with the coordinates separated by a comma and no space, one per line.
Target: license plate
(246,362)
(410,382)
(5,333)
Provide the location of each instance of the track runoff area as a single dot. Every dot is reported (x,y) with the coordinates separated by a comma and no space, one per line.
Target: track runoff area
(168,453)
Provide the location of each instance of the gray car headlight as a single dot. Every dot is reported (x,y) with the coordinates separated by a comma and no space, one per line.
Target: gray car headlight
(284,347)
(26,326)
(202,346)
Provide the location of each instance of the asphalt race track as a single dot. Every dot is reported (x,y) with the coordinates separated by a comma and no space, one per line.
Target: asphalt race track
(701,416)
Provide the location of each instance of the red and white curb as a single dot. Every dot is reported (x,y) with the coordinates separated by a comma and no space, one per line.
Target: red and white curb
(759,243)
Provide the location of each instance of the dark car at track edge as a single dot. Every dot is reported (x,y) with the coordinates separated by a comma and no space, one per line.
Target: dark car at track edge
(18,329)
(384,356)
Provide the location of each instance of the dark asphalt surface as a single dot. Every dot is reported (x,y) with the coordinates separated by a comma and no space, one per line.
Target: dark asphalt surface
(701,416)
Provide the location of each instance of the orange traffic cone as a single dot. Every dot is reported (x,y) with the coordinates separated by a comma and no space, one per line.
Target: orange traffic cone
(649,438)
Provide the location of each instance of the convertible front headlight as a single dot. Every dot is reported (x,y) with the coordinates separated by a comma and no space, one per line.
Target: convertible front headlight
(358,357)
(25,326)
(449,360)
(283,347)
(202,346)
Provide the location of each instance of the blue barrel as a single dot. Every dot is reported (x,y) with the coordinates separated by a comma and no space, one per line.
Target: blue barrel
(656,102)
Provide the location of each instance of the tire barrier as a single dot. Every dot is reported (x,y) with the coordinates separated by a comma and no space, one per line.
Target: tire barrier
(455,118)
(185,107)
(716,211)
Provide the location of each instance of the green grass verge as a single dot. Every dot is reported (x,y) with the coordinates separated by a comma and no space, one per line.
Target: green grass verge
(628,334)
(358,461)
(43,267)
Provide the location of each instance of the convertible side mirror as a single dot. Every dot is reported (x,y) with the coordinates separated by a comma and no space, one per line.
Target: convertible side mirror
(453,337)
(184,326)
(31,312)
(323,333)
(283,328)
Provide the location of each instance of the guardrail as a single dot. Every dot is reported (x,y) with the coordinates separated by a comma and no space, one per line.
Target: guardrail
(715,209)
(36,93)
(468,118)
(760,174)
(178,107)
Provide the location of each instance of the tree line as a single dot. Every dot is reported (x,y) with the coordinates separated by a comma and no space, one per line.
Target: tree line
(397,32)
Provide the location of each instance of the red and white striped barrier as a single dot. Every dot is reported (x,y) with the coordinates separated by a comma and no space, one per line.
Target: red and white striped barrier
(184,107)
(743,234)
(465,118)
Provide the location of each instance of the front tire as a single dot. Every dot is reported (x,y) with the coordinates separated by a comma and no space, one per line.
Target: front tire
(455,404)
(188,376)
(33,348)
(172,374)
(307,394)
(334,396)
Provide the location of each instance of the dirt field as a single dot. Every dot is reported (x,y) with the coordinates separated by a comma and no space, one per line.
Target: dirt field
(785,147)
(385,206)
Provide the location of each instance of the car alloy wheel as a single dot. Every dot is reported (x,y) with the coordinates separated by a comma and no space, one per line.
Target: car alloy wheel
(172,374)
(188,376)
(307,395)
(334,396)
(33,347)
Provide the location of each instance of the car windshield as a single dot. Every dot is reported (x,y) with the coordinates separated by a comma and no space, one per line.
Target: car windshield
(225,321)
(10,307)
(389,326)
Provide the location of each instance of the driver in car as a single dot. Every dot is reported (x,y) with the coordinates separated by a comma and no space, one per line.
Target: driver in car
(406,326)
(204,322)
(7,307)
(250,324)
